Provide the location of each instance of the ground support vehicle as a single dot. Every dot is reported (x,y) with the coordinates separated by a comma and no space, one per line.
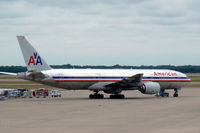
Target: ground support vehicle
(41,93)
(55,93)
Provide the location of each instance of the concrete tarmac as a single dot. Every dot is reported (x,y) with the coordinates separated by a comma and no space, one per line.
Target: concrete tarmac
(75,113)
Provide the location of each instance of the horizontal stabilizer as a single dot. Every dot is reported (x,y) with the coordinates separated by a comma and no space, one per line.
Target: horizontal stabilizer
(8,73)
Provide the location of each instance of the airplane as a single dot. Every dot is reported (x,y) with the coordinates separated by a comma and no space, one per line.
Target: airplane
(110,81)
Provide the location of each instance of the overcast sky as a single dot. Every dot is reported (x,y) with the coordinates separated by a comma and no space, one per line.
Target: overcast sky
(102,32)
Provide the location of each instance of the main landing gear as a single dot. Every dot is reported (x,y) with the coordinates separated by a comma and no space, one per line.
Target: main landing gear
(96,95)
(117,96)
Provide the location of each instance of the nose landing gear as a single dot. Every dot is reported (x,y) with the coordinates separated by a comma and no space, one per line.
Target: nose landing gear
(163,93)
(175,93)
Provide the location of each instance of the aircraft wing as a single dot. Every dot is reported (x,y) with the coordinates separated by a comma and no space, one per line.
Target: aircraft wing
(132,81)
(8,73)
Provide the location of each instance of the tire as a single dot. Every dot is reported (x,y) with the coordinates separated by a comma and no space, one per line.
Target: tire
(96,96)
(101,96)
(175,95)
(113,97)
(91,96)
(117,96)
(122,96)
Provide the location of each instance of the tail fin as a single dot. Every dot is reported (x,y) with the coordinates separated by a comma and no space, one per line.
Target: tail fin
(33,60)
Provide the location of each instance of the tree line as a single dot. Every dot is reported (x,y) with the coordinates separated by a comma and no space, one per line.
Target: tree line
(184,68)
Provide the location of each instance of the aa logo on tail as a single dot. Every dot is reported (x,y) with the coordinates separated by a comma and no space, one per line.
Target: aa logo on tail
(35,59)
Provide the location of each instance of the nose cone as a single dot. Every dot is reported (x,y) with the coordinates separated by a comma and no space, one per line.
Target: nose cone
(183,77)
(187,79)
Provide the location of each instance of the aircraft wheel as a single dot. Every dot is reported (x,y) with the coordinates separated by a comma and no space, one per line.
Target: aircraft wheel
(175,95)
(175,92)
(91,96)
(117,96)
(96,96)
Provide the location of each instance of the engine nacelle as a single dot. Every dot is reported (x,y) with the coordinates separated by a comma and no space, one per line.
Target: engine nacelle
(150,88)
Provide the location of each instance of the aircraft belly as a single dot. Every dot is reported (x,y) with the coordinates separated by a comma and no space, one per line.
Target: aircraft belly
(172,85)
(69,85)
(75,86)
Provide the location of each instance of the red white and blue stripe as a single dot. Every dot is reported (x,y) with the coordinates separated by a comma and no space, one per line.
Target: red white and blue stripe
(116,79)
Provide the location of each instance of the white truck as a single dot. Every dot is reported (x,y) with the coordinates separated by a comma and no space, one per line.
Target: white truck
(55,93)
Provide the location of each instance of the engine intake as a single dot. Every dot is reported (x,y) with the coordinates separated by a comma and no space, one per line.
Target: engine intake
(150,88)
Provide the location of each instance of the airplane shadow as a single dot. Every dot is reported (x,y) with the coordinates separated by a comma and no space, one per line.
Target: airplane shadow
(106,98)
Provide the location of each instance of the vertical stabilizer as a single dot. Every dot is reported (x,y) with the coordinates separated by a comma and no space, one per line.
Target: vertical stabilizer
(33,60)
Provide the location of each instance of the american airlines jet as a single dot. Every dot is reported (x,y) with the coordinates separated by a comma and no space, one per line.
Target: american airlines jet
(112,81)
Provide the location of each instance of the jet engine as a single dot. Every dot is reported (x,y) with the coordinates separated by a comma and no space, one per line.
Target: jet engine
(150,88)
